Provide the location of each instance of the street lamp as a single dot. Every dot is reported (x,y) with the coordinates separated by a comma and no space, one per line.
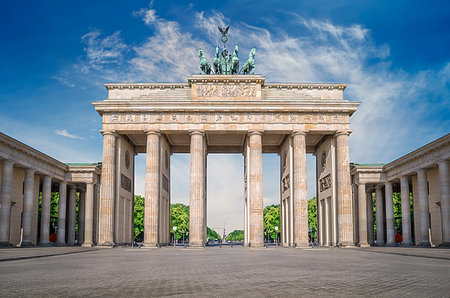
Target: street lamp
(276,234)
(174,230)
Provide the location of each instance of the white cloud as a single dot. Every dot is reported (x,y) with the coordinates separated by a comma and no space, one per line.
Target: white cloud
(66,134)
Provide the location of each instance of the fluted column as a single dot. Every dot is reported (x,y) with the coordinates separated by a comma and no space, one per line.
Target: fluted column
(390,233)
(300,189)
(107,197)
(362,215)
(406,211)
(197,191)
(62,213)
(379,215)
(256,189)
(345,215)
(370,218)
(424,214)
(89,215)
(444,180)
(71,215)
(152,175)
(5,199)
(28,204)
(81,216)
(45,211)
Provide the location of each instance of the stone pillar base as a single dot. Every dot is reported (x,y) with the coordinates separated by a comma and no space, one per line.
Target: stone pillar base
(6,244)
(87,245)
(26,244)
(425,244)
(364,244)
(195,244)
(391,244)
(445,244)
(150,244)
(107,244)
(406,244)
(301,245)
(45,243)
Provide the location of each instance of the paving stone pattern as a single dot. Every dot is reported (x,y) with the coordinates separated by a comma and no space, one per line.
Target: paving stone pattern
(225,271)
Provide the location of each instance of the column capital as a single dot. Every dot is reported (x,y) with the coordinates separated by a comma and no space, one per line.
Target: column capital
(346,132)
(197,132)
(299,132)
(30,171)
(387,182)
(255,132)
(421,171)
(379,186)
(108,132)
(8,161)
(153,132)
(442,162)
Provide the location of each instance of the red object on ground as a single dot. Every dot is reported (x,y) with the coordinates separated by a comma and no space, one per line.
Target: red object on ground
(52,237)
(398,238)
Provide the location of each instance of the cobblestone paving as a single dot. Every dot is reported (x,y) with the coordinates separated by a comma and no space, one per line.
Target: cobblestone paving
(229,271)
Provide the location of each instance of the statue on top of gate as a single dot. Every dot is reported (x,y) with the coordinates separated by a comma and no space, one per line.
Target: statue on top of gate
(225,63)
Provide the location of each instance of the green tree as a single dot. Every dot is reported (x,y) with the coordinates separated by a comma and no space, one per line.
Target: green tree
(211,234)
(139,218)
(236,235)
(312,215)
(179,217)
(272,220)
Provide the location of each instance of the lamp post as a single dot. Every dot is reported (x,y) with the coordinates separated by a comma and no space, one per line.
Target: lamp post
(174,230)
(276,234)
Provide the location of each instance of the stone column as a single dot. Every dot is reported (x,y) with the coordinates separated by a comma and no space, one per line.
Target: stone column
(444,180)
(370,218)
(300,189)
(28,206)
(424,214)
(45,212)
(72,215)
(89,216)
(152,175)
(107,197)
(256,189)
(345,220)
(379,215)
(326,222)
(62,213)
(362,215)
(406,211)
(5,199)
(81,216)
(197,193)
(390,233)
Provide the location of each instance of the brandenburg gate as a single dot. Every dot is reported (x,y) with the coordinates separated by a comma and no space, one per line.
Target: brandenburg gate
(226,113)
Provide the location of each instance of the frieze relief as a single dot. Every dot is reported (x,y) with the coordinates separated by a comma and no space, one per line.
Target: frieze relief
(325,183)
(225,117)
(225,90)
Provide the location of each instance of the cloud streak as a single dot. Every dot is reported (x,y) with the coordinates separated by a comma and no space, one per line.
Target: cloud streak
(66,134)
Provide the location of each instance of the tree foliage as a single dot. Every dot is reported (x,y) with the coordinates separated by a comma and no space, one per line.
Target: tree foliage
(236,235)
(312,215)
(139,218)
(179,217)
(212,235)
(272,220)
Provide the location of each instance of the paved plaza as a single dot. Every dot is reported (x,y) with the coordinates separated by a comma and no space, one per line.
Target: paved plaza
(237,271)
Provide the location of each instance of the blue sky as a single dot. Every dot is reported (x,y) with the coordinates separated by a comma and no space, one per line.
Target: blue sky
(56,56)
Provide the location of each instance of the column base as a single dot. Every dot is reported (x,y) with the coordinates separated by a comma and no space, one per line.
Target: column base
(151,245)
(445,244)
(346,244)
(301,245)
(45,243)
(363,244)
(26,244)
(425,244)
(107,244)
(381,244)
(405,244)
(196,244)
(6,244)
(87,244)
(391,244)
